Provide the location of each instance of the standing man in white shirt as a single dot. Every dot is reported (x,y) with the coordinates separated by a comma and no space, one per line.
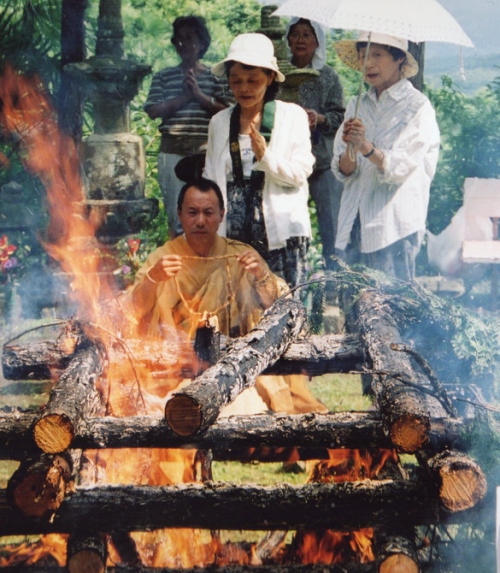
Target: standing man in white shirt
(386,157)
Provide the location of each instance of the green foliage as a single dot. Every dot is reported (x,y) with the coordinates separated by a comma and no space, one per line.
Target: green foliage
(470,132)
(351,79)
(441,329)
(315,315)
(30,36)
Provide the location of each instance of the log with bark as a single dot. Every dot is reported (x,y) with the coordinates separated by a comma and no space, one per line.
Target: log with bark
(396,552)
(237,433)
(73,398)
(404,407)
(41,360)
(313,355)
(192,409)
(36,361)
(37,488)
(211,506)
(86,553)
(316,355)
(281,568)
(458,479)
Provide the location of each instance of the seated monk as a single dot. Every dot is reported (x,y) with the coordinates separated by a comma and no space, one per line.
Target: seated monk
(201,274)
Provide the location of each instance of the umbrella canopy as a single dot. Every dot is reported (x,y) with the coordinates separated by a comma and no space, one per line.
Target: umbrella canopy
(414,20)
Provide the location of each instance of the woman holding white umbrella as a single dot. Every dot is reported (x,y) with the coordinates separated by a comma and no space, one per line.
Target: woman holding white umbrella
(385,153)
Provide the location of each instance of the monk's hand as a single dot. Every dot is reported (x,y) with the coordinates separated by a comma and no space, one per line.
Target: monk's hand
(259,145)
(165,268)
(253,264)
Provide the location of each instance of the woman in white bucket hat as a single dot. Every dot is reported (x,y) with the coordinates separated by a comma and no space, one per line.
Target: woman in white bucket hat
(385,153)
(259,153)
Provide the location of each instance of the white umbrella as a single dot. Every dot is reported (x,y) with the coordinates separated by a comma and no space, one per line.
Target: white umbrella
(414,20)
(271,2)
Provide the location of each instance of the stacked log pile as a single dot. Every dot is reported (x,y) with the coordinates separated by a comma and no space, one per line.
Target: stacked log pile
(413,416)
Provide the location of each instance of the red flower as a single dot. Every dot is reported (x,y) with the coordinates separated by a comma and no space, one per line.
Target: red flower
(6,250)
(133,245)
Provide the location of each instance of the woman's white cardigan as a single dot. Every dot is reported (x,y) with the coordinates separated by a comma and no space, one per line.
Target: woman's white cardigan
(287,163)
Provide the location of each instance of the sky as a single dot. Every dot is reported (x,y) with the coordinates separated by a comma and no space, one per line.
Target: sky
(480,19)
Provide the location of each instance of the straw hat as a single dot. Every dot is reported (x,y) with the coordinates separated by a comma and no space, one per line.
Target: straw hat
(346,49)
(252,49)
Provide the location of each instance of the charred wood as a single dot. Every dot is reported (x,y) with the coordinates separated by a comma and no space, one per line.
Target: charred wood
(193,409)
(404,408)
(269,547)
(282,568)
(238,433)
(211,506)
(397,553)
(39,360)
(459,480)
(126,548)
(86,553)
(37,488)
(72,399)
(314,355)
(318,355)
(35,361)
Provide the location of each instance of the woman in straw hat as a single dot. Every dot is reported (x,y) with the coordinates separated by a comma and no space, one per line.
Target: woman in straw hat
(259,152)
(385,153)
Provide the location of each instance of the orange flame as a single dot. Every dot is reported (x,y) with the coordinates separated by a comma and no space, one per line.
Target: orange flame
(47,547)
(52,156)
(330,547)
(131,388)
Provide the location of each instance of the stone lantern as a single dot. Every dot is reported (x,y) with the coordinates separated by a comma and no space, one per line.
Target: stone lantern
(113,158)
(271,26)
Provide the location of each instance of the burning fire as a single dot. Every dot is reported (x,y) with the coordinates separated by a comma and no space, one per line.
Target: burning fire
(131,388)
(330,547)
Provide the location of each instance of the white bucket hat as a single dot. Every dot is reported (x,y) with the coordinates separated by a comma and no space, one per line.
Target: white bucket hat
(346,49)
(252,49)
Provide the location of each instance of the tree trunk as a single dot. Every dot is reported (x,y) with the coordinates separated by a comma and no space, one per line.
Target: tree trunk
(71,96)
(418,52)
(194,408)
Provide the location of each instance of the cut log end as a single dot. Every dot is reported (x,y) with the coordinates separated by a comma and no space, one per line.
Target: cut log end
(54,433)
(36,498)
(410,433)
(87,554)
(462,488)
(86,562)
(184,415)
(399,563)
